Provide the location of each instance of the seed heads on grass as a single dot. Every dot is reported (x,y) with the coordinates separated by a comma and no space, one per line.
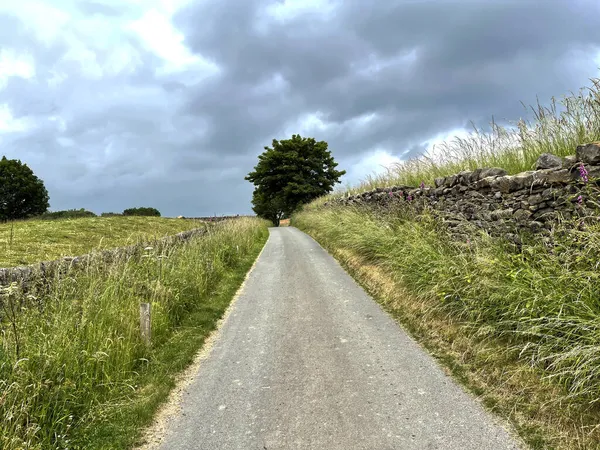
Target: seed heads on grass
(8,301)
(557,129)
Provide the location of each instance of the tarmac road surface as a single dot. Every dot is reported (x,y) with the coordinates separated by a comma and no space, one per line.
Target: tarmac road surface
(307,360)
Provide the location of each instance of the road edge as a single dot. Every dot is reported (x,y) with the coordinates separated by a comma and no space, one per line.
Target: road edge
(153,435)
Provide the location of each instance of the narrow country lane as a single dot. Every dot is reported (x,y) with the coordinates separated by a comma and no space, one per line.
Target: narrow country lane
(307,360)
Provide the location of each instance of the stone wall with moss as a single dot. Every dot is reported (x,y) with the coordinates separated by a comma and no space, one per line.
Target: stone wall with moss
(491,200)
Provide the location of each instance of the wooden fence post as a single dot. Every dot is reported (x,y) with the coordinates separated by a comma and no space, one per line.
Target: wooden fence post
(145,322)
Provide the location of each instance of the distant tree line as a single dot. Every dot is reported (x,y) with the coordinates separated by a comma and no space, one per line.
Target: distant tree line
(66,214)
(23,196)
(78,213)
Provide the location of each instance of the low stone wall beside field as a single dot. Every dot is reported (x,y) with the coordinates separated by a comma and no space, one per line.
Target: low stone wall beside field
(38,275)
(490,199)
(214,218)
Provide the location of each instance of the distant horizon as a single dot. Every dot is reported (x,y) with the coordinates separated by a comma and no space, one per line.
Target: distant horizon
(161,214)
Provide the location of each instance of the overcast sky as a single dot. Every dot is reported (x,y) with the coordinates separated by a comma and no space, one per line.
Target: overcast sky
(167,103)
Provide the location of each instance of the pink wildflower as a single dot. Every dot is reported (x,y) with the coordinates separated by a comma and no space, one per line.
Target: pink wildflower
(584,173)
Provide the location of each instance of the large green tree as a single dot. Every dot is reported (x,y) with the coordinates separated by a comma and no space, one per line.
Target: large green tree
(22,194)
(291,173)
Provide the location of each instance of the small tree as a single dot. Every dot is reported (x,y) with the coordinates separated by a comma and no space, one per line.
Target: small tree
(22,194)
(291,173)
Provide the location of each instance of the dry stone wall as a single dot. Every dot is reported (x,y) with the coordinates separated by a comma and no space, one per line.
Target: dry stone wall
(38,276)
(491,200)
(215,218)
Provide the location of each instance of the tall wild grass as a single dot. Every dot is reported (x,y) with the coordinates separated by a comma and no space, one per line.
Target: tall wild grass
(74,371)
(540,306)
(543,299)
(557,129)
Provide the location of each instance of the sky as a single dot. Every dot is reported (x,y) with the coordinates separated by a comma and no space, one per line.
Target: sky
(168,103)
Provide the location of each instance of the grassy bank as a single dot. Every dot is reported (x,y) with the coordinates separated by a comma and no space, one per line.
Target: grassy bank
(31,241)
(521,329)
(74,372)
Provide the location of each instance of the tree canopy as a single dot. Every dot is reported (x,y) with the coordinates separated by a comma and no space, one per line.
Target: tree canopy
(291,173)
(142,211)
(22,194)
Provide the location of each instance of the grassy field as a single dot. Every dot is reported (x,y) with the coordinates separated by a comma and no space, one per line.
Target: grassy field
(30,241)
(521,328)
(74,371)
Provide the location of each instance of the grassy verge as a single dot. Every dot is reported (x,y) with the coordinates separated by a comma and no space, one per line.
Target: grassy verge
(520,329)
(74,372)
(31,241)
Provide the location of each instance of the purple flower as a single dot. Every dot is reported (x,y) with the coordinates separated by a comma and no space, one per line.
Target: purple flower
(584,173)
(580,200)
(422,185)
(409,198)
(391,193)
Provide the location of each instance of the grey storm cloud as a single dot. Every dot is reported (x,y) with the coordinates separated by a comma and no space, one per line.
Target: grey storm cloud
(116,130)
